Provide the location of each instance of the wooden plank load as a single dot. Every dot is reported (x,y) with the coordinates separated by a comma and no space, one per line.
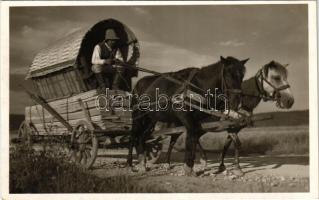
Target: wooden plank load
(104,113)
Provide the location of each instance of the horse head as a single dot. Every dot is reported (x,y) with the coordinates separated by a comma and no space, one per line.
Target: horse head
(274,81)
(233,74)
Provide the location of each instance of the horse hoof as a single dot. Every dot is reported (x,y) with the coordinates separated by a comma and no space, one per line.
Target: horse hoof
(238,172)
(188,171)
(132,169)
(150,166)
(140,168)
(221,169)
(203,162)
(167,166)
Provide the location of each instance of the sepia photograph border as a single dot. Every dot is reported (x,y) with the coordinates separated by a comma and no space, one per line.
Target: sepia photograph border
(313,105)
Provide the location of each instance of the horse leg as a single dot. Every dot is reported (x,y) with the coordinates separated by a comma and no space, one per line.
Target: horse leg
(194,130)
(141,142)
(170,148)
(190,148)
(227,144)
(203,156)
(133,141)
(137,141)
(140,151)
(130,150)
(237,143)
(147,135)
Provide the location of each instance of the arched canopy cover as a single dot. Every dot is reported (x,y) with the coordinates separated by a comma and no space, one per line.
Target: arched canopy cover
(76,49)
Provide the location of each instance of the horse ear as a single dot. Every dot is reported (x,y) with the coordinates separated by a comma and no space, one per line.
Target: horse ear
(286,65)
(244,61)
(272,62)
(222,59)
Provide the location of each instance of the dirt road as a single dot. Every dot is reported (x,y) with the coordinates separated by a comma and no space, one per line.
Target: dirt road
(271,173)
(284,173)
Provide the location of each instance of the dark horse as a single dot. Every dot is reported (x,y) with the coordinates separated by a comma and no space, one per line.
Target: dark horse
(227,74)
(269,84)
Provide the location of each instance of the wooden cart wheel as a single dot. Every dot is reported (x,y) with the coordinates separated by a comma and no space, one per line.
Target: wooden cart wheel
(153,151)
(84,144)
(26,132)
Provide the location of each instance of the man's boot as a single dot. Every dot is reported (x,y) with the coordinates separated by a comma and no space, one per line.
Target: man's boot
(101,82)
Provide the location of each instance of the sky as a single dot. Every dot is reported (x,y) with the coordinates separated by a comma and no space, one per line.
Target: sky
(174,37)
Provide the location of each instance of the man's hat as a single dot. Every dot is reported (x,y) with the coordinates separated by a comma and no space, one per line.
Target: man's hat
(111,35)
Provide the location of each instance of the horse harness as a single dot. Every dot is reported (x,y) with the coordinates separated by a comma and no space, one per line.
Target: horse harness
(260,85)
(260,79)
(187,83)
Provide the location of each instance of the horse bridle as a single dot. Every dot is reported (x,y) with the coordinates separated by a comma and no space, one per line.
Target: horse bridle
(263,94)
(226,91)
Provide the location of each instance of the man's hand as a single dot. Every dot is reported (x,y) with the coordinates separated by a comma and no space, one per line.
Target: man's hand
(118,62)
(108,62)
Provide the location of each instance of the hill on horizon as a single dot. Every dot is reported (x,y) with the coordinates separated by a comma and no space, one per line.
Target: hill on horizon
(290,118)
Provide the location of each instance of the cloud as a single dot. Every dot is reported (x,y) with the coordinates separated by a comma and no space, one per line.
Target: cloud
(234,43)
(71,31)
(169,35)
(19,70)
(27,40)
(26,30)
(164,57)
(140,11)
(255,34)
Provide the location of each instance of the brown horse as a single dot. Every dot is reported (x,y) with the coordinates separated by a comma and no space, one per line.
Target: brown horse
(225,75)
(269,84)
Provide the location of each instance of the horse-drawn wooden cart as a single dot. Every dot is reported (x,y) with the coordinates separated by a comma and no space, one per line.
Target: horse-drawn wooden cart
(66,94)
(66,97)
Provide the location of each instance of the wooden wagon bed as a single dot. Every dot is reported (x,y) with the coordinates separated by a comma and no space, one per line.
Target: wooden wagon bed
(112,119)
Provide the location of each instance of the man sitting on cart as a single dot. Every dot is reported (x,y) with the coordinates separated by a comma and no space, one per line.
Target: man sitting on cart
(104,58)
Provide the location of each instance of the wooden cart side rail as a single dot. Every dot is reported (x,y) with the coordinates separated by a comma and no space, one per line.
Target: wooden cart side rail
(46,106)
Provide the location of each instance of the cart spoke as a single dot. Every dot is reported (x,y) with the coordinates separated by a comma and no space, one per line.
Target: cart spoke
(86,143)
(84,158)
(78,157)
(73,156)
(88,148)
(88,154)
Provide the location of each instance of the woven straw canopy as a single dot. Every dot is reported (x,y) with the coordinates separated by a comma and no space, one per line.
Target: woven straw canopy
(75,50)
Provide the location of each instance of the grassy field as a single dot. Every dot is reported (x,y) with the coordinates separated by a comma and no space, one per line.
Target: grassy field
(47,172)
(261,140)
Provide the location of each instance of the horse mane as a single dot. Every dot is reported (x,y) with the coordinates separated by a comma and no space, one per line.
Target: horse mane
(216,64)
(185,70)
(228,59)
(276,66)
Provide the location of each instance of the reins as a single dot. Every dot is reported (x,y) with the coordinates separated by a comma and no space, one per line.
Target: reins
(260,86)
(159,74)
(187,83)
